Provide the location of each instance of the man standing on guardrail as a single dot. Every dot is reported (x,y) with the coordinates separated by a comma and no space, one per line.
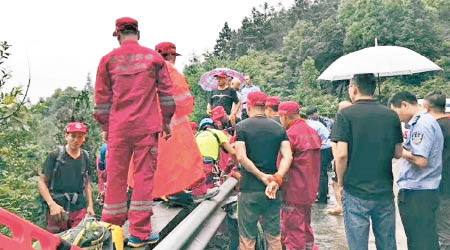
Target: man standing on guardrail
(259,139)
(130,80)
(302,181)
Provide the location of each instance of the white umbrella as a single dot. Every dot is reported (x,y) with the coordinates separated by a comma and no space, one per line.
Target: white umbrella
(379,60)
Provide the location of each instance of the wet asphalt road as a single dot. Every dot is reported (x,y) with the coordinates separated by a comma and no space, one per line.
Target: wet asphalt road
(329,229)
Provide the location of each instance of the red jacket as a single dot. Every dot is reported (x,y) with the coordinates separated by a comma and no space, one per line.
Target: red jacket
(128,81)
(302,181)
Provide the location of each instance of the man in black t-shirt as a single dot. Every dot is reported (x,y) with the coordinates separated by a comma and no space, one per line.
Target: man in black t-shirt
(225,97)
(367,135)
(435,105)
(259,139)
(65,180)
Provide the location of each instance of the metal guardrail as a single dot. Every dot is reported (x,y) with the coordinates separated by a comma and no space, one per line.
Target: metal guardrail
(195,231)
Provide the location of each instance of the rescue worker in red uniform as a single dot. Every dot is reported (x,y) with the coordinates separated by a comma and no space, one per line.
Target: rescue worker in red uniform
(271,110)
(132,89)
(168,50)
(302,180)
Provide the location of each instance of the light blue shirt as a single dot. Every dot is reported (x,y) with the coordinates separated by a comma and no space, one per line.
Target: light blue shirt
(246,89)
(424,139)
(323,132)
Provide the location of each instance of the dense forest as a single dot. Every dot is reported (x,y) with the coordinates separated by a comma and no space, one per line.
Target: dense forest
(284,49)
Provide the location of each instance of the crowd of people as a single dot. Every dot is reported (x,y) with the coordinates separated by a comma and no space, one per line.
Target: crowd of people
(280,156)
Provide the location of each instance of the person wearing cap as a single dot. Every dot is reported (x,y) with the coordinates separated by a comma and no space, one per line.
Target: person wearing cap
(133,105)
(327,155)
(224,96)
(194,127)
(259,140)
(168,50)
(65,181)
(272,108)
(302,180)
(367,136)
(220,118)
(246,89)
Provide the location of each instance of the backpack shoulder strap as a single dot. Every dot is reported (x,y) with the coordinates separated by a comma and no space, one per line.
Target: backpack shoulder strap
(58,163)
(85,166)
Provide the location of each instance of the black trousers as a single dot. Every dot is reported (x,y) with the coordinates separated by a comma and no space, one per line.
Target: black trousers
(326,158)
(418,211)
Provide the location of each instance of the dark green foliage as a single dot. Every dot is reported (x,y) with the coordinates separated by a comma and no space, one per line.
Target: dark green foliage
(222,47)
(286,49)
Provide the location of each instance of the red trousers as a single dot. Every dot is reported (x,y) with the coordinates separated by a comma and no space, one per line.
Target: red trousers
(296,230)
(75,217)
(208,183)
(120,149)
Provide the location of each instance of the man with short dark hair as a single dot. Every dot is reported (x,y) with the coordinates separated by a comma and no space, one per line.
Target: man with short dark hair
(247,88)
(65,181)
(259,139)
(367,135)
(420,172)
(314,115)
(435,105)
(134,104)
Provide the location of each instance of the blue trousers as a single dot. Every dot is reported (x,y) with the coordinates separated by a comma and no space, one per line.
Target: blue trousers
(357,216)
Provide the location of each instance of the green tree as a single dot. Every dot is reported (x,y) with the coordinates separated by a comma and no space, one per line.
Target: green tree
(17,152)
(298,45)
(222,47)
(308,92)
(265,68)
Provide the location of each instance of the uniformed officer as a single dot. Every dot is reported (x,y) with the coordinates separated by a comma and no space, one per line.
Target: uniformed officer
(420,172)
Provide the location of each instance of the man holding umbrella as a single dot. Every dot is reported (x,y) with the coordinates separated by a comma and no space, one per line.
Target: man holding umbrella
(225,97)
(367,135)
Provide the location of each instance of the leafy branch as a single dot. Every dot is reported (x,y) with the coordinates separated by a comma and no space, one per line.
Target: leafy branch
(4,46)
